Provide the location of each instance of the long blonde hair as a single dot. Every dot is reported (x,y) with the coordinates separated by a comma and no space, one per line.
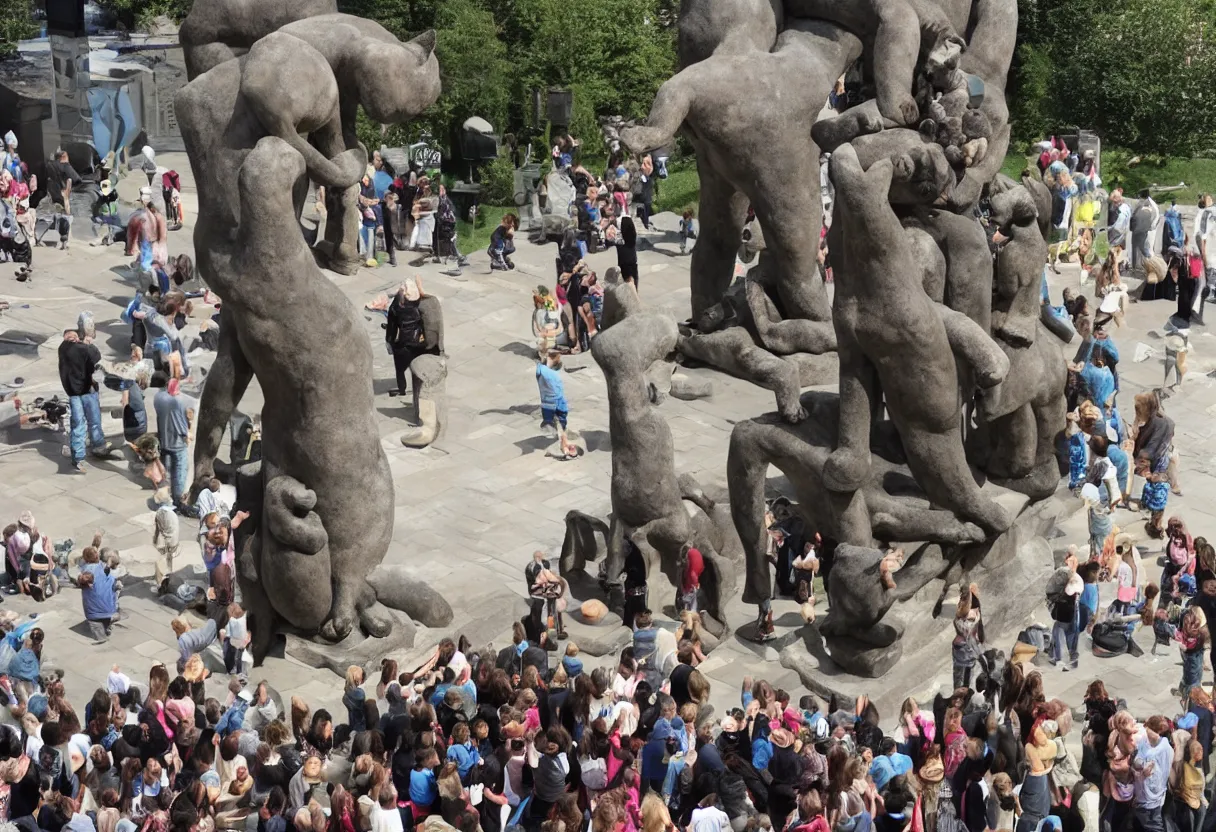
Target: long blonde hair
(690,627)
(655,817)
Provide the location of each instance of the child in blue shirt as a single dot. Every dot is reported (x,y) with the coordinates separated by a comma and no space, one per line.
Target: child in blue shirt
(553,407)
(424,789)
(462,752)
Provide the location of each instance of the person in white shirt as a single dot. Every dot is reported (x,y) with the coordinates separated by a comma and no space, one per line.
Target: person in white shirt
(384,816)
(1203,228)
(1122,222)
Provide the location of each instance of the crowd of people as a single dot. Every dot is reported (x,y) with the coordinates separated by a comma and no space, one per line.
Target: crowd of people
(532,737)
(401,211)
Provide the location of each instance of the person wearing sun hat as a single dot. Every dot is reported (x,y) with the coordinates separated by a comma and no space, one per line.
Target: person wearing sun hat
(785,767)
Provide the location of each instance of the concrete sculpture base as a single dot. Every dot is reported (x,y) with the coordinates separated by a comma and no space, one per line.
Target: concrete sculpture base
(1011,578)
(366,652)
(430,374)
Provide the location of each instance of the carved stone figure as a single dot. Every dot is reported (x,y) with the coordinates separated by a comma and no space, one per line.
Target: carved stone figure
(893,338)
(216,31)
(430,374)
(322,494)
(896,29)
(946,372)
(749,150)
(327,512)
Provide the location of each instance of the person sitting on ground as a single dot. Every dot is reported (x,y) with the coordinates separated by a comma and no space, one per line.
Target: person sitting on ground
(502,243)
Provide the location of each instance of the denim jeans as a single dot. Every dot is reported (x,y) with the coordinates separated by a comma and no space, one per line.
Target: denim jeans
(367,233)
(1061,634)
(177,466)
(1192,669)
(1145,819)
(85,419)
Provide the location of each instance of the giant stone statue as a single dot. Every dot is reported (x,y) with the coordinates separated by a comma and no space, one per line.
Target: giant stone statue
(271,104)
(940,440)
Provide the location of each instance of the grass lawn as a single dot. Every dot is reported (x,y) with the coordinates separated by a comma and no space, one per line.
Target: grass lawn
(1198,174)
(680,190)
(477,238)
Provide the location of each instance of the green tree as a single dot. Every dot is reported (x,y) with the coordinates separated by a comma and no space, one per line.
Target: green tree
(16,23)
(135,14)
(473,65)
(1142,73)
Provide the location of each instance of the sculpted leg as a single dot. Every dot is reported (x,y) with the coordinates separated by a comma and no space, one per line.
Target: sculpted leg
(733,350)
(951,484)
(752,447)
(861,120)
(790,336)
(721,215)
(1016,448)
(896,50)
(848,465)
(988,362)
(225,386)
(793,246)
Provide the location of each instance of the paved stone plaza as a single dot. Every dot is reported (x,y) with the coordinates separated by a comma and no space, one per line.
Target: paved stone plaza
(471,509)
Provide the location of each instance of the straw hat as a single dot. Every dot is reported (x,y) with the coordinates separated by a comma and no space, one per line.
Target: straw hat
(933,771)
(195,670)
(1023,653)
(781,738)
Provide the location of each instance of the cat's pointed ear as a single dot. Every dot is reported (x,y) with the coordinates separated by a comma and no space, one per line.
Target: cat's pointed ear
(426,41)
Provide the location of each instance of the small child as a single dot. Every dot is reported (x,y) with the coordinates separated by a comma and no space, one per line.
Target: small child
(1177,345)
(235,637)
(571,662)
(481,738)
(553,407)
(1165,625)
(688,229)
(211,508)
(164,538)
(463,752)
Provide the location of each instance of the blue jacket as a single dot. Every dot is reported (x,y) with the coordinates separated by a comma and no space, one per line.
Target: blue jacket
(552,391)
(100,600)
(655,749)
(353,699)
(762,753)
(233,718)
(885,767)
(465,756)
(25,666)
(574,667)
(424,790)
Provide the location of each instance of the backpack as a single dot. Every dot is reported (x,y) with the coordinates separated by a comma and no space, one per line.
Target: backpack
(594,772)
(1174,235)
(409,328)
(1109,639)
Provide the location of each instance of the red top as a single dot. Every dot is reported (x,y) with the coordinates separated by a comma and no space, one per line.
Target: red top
(692,570)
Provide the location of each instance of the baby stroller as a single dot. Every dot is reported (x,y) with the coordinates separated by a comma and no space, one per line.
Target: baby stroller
(15,241)
(445,234)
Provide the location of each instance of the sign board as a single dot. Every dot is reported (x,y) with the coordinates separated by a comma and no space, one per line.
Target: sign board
(425,156)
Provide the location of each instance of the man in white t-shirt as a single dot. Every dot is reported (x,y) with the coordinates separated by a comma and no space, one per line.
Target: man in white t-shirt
(1203,237)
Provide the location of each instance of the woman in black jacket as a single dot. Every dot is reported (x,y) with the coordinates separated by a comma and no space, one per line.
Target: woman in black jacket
(404,332)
